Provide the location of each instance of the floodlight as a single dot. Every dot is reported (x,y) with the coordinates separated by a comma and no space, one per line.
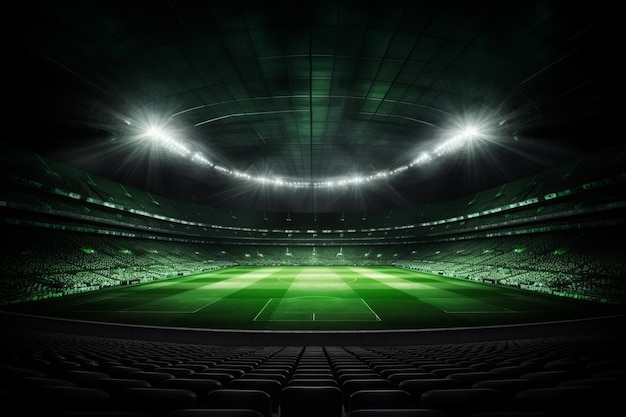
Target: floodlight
(465,129)
(469,132)
(154,132)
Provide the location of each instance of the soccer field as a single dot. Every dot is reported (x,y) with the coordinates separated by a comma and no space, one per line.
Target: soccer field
(315,298)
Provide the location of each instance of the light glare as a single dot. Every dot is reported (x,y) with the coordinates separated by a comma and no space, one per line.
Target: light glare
(453,140)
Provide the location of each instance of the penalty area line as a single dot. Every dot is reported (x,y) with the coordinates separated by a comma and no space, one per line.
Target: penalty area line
(264,307)
(129,310)
(370,309)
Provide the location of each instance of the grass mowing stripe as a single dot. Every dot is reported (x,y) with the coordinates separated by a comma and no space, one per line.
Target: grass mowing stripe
(419,300)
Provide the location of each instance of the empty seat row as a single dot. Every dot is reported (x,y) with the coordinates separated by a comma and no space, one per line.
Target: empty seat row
(342,381)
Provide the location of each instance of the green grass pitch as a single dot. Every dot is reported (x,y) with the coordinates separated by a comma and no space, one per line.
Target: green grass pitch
(315,298)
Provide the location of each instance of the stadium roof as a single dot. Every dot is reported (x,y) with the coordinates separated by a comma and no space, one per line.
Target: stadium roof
(273,94)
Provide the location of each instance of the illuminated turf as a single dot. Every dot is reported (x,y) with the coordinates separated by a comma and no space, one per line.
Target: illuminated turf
(316,298)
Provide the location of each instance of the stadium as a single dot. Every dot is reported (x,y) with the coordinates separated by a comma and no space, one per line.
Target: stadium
(340,209)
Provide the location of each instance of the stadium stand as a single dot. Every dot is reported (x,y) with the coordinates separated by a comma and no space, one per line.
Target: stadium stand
(30,370)
(556,234)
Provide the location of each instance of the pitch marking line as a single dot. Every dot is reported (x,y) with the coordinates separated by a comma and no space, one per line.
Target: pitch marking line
(373,312)
(506,310)
(313,315)
(128,310)
(264,307)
